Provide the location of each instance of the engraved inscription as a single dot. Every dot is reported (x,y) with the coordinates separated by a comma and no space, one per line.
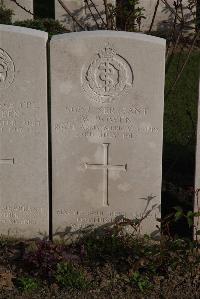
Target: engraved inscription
(106,167)
(19,118)
(7,161)
(21,214)
(7,69)
(107,76)
(82,219)
(125,123)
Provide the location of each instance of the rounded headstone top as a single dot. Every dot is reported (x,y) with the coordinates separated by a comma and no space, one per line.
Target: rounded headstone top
(118,34)
(23,30)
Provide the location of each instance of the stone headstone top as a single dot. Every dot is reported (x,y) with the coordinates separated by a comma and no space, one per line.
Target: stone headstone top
(197,170)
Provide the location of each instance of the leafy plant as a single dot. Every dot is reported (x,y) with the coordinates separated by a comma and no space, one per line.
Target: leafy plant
(44,258)
(189,215)
(5,14)
(129,15)
(141,281)
(49,25)
(27,284)
(67,276)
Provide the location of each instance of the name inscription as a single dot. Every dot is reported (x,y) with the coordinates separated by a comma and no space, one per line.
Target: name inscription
(19,118)
(105,122)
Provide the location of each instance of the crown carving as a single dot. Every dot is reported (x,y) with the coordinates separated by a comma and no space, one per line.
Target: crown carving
(107,52)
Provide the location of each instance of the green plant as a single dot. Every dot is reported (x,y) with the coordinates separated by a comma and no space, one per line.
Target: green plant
(6,241)
(49,25)
(5,14)
(27,284)
(189,215)
(67,276)
(129,15)
(141,281)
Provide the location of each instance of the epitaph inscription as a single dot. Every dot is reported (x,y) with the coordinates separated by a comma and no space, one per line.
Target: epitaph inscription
(107,76)
(7,69)
(17,214)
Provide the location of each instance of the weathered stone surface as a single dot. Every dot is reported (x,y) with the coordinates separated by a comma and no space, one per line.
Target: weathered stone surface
(77,9)
(84,13)
(19,13)
(107,123)
(95,14)
(197,171)
(23,132)
(164,17)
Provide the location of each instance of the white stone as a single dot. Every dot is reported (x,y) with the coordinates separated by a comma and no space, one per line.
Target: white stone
(92,14)
(82,12)
(197,172)
(107,126)
(24,205)
(77,9)
(19,13)
(164,17)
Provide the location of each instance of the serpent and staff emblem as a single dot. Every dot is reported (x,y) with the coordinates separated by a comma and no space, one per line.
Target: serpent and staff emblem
(107,76)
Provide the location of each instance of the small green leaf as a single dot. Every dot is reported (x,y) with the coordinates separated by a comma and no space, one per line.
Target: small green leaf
(178,215)
(196,214)
(190,221)
(190,214)
(177,208)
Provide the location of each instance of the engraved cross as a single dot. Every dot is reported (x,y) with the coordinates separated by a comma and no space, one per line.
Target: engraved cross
(7,161)
(106,167)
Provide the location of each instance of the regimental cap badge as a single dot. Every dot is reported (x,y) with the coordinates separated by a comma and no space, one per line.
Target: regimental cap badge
(7,69)
(107,76)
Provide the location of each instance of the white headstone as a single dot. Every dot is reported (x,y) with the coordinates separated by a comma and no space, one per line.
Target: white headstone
(77,9)
(84,13)
(197,172)
(107,126)
(95,16)
(164,18)
(20,14)
(23,132)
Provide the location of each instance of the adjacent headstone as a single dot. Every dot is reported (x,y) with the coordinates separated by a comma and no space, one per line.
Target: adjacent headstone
(23,132)
(197,172)
(76,8)
(22,11)
(95,15)
(164,17)
(86,14)
(107,126)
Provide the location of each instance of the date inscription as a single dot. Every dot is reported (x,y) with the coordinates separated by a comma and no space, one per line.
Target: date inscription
(105,122)
(19,118)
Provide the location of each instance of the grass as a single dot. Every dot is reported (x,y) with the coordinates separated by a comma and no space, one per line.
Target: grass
(180,122)
(181,104)
(180,118)
(125,266)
